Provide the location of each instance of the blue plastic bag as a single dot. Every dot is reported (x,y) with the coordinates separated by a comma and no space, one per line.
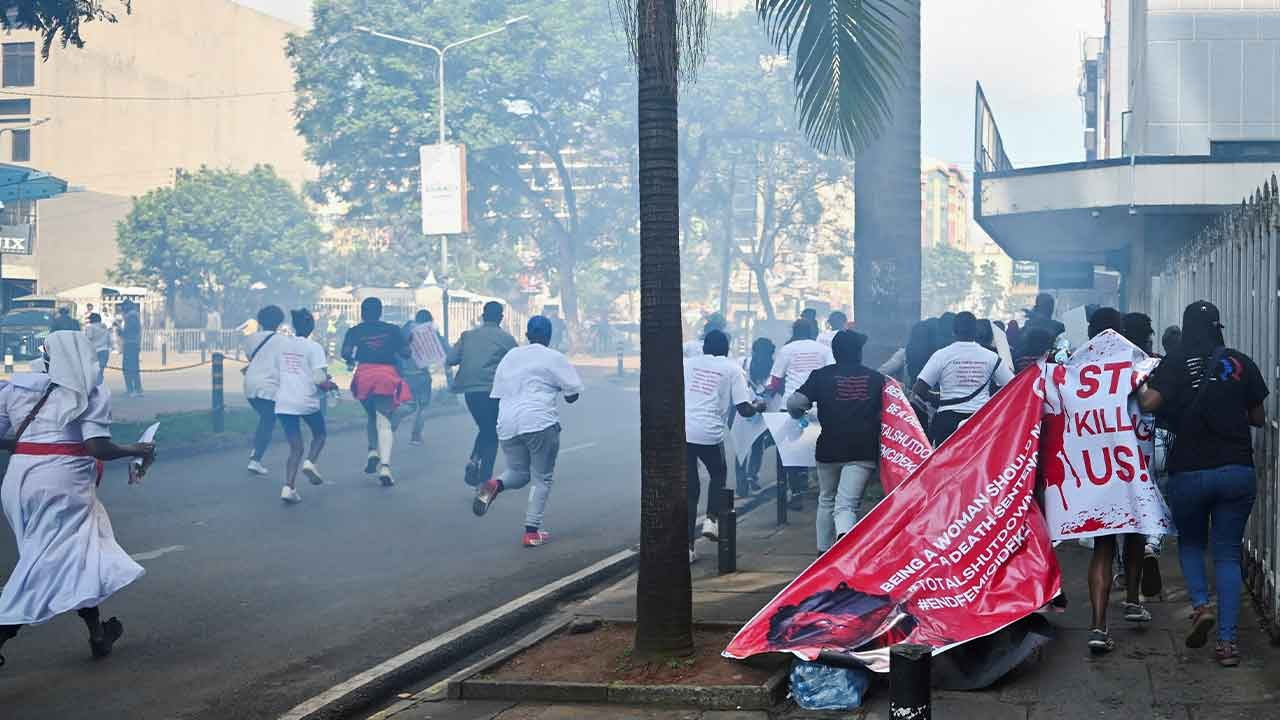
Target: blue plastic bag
(816,686)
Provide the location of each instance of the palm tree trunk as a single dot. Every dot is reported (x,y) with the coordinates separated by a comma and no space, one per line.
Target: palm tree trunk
(664,593)
(886,257)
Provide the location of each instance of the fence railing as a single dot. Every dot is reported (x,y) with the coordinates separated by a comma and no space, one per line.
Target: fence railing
(1235,265)
(186,340)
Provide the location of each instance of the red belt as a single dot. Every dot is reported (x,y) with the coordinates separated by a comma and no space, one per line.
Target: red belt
(67,449)
(70,449)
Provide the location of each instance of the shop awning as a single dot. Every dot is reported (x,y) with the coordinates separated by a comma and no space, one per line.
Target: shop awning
(24,183)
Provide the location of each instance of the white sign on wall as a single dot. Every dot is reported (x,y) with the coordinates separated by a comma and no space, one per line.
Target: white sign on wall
(444,189)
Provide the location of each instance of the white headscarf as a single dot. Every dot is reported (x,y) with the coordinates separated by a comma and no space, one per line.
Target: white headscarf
(73,367)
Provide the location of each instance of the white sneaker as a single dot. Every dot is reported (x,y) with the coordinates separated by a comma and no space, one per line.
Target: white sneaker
(711,529)
(309,469)
(693,556)
(384,475)
(289,495)
(258,468)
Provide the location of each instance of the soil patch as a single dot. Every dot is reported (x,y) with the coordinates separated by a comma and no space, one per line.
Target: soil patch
(604,656)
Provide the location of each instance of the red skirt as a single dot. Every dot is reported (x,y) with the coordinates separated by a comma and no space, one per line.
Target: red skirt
(380,381)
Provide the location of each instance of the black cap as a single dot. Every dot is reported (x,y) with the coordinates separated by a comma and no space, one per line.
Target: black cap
(1204,311)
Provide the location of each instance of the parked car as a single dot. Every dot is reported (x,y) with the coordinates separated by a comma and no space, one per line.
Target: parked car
(23,331)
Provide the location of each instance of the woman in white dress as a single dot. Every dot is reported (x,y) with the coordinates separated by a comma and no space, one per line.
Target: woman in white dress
(68,558)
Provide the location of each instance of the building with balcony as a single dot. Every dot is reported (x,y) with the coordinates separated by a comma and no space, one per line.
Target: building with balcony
(172,86)
(1181,118)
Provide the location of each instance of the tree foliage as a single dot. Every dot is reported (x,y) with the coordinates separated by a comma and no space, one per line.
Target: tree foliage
(753,189)
(60,20)
(947,279)
(544,110)
(215,235)
(846,53)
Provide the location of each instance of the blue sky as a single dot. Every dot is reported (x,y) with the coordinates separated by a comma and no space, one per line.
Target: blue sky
(1026,53)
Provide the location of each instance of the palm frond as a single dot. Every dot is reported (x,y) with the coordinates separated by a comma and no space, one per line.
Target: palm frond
(846,55)
(693,22)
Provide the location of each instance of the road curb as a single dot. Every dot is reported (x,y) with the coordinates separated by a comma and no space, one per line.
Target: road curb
(375,684)
(378,683)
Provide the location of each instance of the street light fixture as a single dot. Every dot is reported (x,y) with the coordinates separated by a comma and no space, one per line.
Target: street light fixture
(440,53)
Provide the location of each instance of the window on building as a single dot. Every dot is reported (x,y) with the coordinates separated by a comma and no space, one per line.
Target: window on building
(15,110)
(21,146)
(19,64)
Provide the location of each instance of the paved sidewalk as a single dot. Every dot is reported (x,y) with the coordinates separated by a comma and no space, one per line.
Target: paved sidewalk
(1150,675)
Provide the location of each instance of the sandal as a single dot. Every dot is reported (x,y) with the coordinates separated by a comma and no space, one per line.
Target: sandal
(1100,642)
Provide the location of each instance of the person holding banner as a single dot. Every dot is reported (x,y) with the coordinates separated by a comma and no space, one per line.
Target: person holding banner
(712,384)
(962,374)
(791,367)
(757,369)
(1211,396)
(849,397)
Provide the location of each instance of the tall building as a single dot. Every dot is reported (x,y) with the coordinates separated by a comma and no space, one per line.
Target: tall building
(944,206)
(1181,121)
(172,86)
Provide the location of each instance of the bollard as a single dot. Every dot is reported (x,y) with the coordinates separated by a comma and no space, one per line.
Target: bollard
(204,353)
(781,492)
(164,353)
(219,420)
(909,682)
(727,547)
(620,371)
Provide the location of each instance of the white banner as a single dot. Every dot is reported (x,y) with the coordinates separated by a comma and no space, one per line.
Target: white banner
(1097,446)
(444,189)
(744,432)
(797,440)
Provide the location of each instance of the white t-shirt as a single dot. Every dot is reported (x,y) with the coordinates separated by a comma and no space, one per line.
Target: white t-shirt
(300,362)
(692,348)
(260,377)
(528,381)
(712,384)
(795,360)
(958,369)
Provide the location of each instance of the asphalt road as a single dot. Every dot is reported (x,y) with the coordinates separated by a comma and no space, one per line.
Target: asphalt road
(249,606)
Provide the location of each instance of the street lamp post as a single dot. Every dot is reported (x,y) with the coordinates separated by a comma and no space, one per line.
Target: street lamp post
(440,53)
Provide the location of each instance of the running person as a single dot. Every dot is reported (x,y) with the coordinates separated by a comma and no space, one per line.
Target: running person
(791,367)
(375,348)
(528,381)
(960,374)
(68,558)
(712,385)
(261,381)
(477,354)
(304,378)
(426,348)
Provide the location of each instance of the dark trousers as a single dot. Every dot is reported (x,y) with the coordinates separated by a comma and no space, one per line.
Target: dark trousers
(484,410)
(750,470)
(132,367)
(944,425)
(104,356)
(266,410)
(712,458)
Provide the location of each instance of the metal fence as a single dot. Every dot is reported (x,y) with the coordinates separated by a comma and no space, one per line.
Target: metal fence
(1234,265)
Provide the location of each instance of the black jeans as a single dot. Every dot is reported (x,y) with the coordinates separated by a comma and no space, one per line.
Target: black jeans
(131,366)
(750,470)
(484,410)
(944,425)
(266,410)
(712,457)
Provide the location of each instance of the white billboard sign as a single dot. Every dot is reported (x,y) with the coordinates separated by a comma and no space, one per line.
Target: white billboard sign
(444,189)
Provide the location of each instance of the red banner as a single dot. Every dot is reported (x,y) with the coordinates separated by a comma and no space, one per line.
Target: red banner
(958,551)
(903,444)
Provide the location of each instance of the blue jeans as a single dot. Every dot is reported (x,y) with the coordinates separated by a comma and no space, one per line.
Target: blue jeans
(1210,509)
